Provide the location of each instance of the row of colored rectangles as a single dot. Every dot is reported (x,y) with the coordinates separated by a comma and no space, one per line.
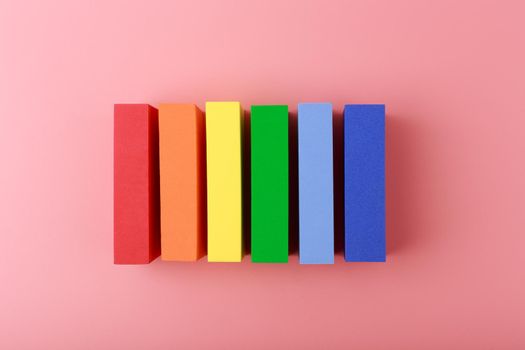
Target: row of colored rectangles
(179,172)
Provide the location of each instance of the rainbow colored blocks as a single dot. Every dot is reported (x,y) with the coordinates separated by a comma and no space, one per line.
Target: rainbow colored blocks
(201,183)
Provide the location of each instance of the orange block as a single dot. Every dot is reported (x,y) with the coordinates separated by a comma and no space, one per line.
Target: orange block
(182,150)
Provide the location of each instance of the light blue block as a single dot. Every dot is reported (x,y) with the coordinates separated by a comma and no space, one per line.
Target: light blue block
(316,188)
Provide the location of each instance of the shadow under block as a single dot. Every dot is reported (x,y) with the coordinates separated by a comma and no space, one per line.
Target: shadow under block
(224,179)
(269,184)
(316,188)
(136,185)
(364,153)
(182,182)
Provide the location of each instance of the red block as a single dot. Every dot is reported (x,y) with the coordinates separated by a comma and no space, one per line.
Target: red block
(136,188)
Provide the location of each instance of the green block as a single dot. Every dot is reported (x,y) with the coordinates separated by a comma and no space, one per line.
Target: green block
(269,168)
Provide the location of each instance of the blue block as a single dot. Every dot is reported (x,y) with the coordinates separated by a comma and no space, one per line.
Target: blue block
(364,138)
(316,188)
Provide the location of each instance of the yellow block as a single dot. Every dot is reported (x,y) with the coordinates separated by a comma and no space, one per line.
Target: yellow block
(224,176)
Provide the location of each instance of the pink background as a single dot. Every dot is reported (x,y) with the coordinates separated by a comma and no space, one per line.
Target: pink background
(452,75)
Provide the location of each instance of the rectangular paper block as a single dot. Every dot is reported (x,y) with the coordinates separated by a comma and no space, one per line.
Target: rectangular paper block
(269,184)
(224,168)
(364,153)
(136,184)
(182,148)
(316,188)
